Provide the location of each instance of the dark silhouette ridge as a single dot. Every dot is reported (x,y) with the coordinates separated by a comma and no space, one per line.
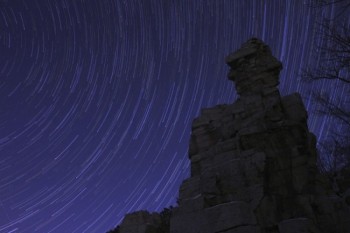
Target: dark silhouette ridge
(253,164)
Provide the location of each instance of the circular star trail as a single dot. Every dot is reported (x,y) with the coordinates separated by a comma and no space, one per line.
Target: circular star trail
(97,99)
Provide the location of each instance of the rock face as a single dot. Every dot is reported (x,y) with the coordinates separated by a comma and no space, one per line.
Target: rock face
(145,222)
(140,222)
(253,162)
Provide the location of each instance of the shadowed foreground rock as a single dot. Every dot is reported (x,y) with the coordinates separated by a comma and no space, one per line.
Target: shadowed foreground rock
(253,164)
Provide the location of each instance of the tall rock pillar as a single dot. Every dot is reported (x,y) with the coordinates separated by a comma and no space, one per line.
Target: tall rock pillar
(253,162)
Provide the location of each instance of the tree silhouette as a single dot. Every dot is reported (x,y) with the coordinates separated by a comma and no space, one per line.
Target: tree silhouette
(322,3)
(333,48)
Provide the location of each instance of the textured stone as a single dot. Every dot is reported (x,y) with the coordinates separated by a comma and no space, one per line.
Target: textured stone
(190,188)
(297,225)
(228,215)
(140,222)
(253,68)
(258,152)
(253,163)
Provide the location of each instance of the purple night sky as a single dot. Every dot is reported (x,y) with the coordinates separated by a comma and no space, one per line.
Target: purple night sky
(97,98)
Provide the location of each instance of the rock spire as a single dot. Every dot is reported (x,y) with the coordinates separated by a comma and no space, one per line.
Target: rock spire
(253,163)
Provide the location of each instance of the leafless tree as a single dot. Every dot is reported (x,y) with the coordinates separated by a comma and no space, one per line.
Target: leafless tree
(333,49)
(322,3)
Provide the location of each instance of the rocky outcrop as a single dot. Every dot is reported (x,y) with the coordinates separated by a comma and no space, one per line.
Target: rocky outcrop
(140,222)
(253,162)
(145,222)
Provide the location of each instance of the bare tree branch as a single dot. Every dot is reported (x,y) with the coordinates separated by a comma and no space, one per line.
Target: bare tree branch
(323,3)
(332,52)
(331,108)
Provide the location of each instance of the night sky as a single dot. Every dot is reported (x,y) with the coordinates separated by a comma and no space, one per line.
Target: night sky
(97,98)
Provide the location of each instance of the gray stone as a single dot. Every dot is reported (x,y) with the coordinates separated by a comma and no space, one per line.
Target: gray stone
(253,163)
(140,222)
(297,225)
(294,108)
(244,229)
(228,215)
(269,166)
(189,222)
(190,188)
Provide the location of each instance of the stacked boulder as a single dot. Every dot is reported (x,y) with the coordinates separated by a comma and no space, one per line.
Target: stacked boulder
(253,163)
(139,222)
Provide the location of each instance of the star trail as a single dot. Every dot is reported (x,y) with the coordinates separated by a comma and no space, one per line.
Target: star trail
(97,98)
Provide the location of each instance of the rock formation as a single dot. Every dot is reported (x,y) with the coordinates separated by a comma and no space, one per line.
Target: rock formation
(145,222)
(253,163)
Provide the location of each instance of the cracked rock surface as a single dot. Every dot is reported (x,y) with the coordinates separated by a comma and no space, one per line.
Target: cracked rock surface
(253,162)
